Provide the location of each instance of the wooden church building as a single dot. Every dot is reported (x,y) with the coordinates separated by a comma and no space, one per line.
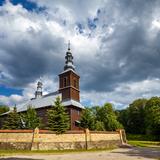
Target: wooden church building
(68,92)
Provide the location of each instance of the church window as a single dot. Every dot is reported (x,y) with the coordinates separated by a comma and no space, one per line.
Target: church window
(65,81)
(75,83)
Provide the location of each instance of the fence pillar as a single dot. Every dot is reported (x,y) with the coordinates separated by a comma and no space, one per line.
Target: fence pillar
(35,140)
(87,137)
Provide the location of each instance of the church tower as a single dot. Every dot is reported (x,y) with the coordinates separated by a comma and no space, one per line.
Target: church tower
(69,88)
(69,79)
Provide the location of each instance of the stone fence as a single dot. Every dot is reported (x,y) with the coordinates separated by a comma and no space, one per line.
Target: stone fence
(48,140)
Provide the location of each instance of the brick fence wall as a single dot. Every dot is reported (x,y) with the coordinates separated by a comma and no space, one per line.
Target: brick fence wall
(48,140)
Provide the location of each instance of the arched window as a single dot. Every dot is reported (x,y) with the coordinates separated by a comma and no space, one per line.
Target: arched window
(65,81)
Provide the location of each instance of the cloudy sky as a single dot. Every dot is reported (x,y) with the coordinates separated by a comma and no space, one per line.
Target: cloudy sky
(115,44)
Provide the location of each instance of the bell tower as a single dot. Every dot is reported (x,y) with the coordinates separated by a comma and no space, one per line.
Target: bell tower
(69,79)
(39,93)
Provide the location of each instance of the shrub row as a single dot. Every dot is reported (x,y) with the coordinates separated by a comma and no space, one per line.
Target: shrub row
(141,137)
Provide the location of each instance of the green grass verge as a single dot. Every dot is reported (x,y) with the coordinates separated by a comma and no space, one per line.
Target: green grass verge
(27,152)
(152,144)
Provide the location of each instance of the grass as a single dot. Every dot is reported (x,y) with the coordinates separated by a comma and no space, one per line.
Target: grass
(28,152)
(151,144)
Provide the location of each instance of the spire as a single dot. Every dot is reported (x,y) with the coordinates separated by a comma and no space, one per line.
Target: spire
(69,59)
(38,93)
(69,45)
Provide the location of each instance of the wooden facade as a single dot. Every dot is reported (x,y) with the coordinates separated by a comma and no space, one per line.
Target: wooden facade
(69,85)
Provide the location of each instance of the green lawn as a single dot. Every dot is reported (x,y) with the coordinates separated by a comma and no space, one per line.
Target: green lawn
(151,144)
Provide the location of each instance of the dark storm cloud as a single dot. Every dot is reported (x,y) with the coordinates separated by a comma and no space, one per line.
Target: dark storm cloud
(129,54)
(27,59)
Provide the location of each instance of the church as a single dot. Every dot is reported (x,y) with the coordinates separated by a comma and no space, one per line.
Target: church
(68,92)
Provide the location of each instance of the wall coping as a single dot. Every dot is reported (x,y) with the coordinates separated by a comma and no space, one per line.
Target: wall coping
(52,132)
(104,132)
(16,131)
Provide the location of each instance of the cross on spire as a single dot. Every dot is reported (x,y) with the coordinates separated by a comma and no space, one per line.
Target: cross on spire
(69,45)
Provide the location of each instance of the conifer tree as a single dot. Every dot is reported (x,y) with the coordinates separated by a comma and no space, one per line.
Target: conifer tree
(3,109)
(87,119)
(13,120)
(30,119)
(58,119)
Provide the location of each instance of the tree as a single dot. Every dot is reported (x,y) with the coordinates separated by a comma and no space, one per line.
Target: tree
(123,117)
(106,114)
(3,109)
(136,117)
(30,118)
(87,119)
(99,126)
(152,116)
(13,120)
(58,119)
(142,116)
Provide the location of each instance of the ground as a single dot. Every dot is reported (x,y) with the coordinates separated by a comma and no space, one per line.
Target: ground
(133,153)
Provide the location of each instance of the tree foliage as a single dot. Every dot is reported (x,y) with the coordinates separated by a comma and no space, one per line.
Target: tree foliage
(100,118)
(142,116)
(30,119)
(106,114)
(58,119)
(152,118)
(87,119)
(3,109)
(13,120)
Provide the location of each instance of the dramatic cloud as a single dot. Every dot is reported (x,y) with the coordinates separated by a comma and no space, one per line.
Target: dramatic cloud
(115,45)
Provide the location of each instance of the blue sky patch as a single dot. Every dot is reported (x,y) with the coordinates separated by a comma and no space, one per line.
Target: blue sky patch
(91,23)
(80,27)
(26,4)
(30,6)
(9,91)
(2,2)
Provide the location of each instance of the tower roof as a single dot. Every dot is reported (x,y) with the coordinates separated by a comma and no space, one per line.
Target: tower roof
(69,59)
(38,92)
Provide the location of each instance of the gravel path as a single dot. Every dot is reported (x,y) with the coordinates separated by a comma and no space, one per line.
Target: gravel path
(133,153)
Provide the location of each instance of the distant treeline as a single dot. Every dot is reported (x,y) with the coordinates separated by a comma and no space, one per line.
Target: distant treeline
(142,116)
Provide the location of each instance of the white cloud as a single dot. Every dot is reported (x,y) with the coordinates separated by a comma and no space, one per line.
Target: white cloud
(124,94)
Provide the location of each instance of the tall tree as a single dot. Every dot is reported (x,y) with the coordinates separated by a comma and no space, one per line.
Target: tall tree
(3,109)
(99,126)
(136,116)
(123,117)
(13,120)
(87,119)
(100,118)
(58,119)
(30,118)
(106,114)
(152,116)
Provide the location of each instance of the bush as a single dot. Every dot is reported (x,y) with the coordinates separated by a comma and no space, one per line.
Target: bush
(141,137)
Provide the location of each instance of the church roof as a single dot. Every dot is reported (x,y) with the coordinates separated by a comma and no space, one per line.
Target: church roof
(46,100)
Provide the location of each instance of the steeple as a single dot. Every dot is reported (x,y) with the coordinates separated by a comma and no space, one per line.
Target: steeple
(38,93)
(69,79)
(69,59)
